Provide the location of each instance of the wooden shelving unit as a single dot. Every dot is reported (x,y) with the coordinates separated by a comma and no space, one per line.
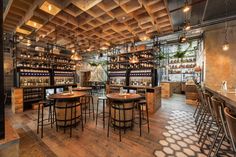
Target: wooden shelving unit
(122,73)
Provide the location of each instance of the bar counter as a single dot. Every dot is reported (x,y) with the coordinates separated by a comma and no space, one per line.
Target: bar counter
(229,96)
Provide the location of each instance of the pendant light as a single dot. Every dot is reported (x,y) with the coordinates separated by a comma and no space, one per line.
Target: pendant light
(133,60)
(75,56)
(187,26)
(225,46)
(186,7)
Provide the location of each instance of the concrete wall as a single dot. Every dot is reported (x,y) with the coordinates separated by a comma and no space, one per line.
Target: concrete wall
(220,65)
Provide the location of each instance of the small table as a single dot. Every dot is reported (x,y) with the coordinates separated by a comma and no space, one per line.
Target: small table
(82,89)
(121,108)
(66,108)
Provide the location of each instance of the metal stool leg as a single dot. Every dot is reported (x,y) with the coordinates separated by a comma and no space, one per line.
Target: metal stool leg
(140,121)
(147,118)
(119,124)
(109,119)
(103,114)
(42,122)
(38,118)
(97,112)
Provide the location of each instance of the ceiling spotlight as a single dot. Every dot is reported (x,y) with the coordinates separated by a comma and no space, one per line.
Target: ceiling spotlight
(73,51)
(182,39)
(49,7)
(76,57)
(225,46)
(186,7)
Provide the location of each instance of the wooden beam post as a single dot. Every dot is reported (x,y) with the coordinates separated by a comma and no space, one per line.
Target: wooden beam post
(2,107)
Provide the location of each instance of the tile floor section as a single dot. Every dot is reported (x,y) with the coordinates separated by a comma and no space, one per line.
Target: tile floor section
(181,139)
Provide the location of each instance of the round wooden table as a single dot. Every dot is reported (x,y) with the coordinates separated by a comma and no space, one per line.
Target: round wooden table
(82,89)
(67,107)
(121,108)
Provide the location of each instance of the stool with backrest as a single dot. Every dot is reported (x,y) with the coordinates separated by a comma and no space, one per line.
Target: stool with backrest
(231,126)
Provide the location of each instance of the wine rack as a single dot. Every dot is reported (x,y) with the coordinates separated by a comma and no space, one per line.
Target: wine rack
(141,74)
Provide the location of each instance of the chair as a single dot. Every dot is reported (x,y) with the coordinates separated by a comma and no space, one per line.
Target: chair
(42,105)
(231,125)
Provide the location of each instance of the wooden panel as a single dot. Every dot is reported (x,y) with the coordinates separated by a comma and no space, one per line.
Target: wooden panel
(17,100)
(166,90)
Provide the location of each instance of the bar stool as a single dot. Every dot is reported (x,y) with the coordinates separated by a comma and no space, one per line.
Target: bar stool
(103,99)
(40,122)
(143,107)
(87,102)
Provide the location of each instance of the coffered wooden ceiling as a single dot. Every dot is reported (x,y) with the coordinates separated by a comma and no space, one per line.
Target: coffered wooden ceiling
(88,24)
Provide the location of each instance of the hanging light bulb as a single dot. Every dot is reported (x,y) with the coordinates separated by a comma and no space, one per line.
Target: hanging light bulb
(182,39)
(186,7)
(187,26)
(75,56)
(225,46)
(49,7)
(134,59)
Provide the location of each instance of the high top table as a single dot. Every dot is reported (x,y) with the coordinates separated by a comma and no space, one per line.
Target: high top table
(82,89)
(121,108)
(66,108)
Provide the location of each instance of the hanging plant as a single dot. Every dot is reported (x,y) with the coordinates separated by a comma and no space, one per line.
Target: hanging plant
(181,54)
(161,56)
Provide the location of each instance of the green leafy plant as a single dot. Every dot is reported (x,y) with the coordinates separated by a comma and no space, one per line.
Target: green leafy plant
(181,54)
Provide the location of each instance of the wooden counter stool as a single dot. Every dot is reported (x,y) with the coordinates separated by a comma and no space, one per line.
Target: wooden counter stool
(103,99)
(40,122)
(143,107)
(88,106)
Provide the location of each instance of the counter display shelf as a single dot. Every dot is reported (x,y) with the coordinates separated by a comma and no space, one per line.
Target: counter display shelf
(24,97)
(166,89)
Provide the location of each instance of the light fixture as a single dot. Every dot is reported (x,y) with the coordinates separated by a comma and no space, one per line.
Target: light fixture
(75,56)
(225,46)
(28,43)
(22,31)
(33,24)
(186,7)
(103,48)
(187,26)
(144,38)
(182,39)
(50,8)
(134,59)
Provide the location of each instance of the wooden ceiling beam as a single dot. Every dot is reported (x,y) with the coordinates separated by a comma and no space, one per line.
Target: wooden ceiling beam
(7,9)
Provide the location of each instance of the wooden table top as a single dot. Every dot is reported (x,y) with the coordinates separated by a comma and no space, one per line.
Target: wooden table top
(82,88)
(67,95)
(128,97)
(229,96)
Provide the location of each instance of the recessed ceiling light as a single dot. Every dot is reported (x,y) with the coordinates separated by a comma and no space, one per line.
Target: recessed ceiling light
(50,8)
(33,24)
(23,31)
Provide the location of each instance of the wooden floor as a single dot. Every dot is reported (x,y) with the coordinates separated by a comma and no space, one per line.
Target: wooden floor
(93,141)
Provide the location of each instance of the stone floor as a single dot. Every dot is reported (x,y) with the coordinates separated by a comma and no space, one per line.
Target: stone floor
(93,142)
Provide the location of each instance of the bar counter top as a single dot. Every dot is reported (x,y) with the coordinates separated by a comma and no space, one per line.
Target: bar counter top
(229,96)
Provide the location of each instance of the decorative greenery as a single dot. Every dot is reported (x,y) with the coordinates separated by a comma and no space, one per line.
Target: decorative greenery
(181,54)
(98,63)
(160,56)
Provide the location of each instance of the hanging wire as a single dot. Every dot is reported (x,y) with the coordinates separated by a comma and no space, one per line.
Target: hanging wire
(226,23)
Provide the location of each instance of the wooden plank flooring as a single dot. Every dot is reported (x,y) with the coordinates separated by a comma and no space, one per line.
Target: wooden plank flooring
(93,142)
